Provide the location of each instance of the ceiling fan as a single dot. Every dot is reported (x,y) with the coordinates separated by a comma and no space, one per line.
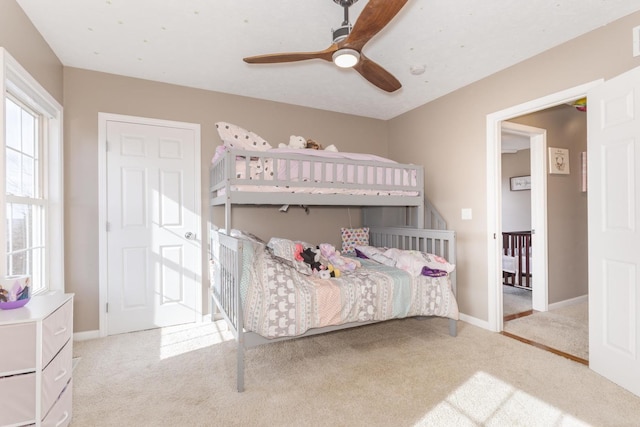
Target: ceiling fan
(348,41)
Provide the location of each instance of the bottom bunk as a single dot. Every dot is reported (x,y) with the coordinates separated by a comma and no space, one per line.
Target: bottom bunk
(266,294)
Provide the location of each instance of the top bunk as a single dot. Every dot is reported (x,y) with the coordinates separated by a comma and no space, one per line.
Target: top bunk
(313,177)
(247,170)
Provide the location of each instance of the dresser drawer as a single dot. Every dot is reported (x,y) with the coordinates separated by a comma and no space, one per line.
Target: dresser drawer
(56,376)
(56,331)
(19,394)
(17,348)
(60,414)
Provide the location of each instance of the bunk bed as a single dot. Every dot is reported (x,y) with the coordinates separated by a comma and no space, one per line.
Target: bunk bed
(516,259)
(307,177)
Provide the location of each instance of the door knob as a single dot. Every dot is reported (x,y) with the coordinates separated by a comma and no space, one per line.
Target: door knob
(189,235)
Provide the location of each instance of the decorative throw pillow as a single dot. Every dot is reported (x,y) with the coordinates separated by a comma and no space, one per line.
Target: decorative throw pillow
(352,237)
(236,137)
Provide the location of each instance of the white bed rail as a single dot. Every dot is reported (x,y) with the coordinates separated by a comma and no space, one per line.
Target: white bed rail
(226,272)
(286,170)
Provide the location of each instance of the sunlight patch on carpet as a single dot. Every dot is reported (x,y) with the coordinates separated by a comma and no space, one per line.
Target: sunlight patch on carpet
(486,400)
(177,340)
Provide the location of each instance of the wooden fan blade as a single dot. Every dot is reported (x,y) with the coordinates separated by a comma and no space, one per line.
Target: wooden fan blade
(377,75)
(274,58)
(374,17)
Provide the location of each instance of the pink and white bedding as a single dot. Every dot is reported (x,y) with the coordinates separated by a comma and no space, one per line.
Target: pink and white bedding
(280,300)
(355,173)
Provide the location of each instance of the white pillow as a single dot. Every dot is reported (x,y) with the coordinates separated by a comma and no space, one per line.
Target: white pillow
(236,137)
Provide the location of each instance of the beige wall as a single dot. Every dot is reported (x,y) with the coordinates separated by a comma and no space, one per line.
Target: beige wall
(448,136)
(20,38)
(566,203)
(516,205)
(86,93)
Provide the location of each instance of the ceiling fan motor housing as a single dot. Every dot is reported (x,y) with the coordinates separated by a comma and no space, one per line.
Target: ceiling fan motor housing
(341,33)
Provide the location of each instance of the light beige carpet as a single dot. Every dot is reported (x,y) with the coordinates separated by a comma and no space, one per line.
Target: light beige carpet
(398,373)
(565,329)
(515,300)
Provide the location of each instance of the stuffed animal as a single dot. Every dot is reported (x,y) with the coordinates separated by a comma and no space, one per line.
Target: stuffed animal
(317,146)
(334,258)
(311,144)
(312,258)
(294,142)
(297,252)
(333,272)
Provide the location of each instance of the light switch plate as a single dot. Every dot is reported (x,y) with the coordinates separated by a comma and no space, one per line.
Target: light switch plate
(636,41)
(467,213)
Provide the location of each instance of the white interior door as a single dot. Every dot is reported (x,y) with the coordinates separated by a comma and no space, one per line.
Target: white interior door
(153,252)
(614,238)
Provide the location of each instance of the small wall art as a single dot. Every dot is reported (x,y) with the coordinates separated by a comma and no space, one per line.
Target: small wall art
(519,183)
(558,161)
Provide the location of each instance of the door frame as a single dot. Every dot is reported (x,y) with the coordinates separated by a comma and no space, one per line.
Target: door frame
(103,118)
(494,190)
(538,167)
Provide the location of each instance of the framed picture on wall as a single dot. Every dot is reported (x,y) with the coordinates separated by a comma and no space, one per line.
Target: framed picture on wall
(559,161)
(519,183)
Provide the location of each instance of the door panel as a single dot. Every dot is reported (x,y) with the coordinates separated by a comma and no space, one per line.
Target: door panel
(614,240)
(153,269)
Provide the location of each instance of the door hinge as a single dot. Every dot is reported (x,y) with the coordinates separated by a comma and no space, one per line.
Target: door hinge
(108,227)
(494,236)
(107,307)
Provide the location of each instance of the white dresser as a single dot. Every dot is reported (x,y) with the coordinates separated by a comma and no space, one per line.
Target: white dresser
(36,362)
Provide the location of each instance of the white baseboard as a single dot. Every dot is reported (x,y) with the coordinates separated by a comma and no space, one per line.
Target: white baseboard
(568,302)
(87,335)
(475,321)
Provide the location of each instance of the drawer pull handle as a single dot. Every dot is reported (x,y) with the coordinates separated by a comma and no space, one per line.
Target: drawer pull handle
(64,418)
(60,331)
(60,375)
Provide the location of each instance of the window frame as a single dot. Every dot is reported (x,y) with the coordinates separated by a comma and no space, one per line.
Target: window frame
(21,86)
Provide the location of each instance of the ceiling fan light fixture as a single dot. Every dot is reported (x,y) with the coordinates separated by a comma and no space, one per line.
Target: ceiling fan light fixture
(346,58)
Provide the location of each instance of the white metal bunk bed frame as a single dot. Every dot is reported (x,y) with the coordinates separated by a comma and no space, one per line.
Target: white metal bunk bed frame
(226,278)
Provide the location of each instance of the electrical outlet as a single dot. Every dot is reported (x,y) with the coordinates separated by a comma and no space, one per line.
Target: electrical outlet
(466,213)
(636,41)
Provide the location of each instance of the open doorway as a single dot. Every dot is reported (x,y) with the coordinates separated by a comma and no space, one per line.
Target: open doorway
(518,232)
(560,226)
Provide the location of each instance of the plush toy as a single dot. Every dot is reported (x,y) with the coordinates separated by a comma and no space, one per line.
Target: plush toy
(334,258)
(324,274)
(317,146)
(297,252)
(334,272)
(311,144)
(312,258)
(294,142)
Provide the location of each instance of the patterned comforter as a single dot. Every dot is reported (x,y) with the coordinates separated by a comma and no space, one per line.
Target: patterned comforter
(280,301)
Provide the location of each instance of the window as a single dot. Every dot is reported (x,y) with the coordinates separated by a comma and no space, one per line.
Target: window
(31,181)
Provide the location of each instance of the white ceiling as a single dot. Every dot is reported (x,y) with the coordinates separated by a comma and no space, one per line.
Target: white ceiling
(201,43)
